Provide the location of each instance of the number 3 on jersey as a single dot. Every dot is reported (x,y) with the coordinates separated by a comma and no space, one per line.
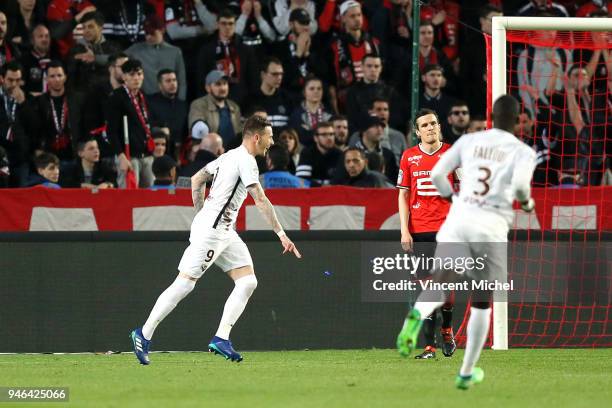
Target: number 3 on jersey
(484,180)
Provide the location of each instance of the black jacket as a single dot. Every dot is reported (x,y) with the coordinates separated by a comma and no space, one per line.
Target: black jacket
(72,176)
(120,105)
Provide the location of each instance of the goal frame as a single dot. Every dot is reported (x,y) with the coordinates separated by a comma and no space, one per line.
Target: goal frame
(498,82)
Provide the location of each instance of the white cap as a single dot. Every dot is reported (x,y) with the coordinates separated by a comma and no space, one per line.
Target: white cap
(199,130)
(347,5)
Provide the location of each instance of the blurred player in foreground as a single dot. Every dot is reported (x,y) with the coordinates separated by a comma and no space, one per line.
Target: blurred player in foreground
(213,239)
(422,212)
(496,168)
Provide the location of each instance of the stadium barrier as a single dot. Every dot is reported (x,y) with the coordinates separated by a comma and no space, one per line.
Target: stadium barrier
(85,291)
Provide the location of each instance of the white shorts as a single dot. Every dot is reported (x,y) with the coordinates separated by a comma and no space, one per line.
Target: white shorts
(208,246)
(474,236)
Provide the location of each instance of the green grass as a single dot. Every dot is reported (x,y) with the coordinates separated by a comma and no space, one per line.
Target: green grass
(349,378)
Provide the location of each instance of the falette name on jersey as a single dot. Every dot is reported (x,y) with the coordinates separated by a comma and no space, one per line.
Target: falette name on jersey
(408,285)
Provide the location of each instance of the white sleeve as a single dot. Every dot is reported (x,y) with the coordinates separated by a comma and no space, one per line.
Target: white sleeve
(449,161)
(212,167)
(524,166)
(247,169)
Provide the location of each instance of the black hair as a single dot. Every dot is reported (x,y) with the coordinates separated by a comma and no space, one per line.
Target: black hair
(44,159)
(163,72)
(96,16)
(279,156)
(131,65)
(361,152)
(432,67)
(505,113)
(83,141)
(13,65)
(112,59)
(424,112)
(56,64)
(162,166)
(269,60)
(488,9)
(226,13)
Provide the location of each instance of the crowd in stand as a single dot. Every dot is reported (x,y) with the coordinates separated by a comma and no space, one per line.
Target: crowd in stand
(118,93)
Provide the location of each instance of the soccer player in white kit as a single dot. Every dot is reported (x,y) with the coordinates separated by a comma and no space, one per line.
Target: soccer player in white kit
(213,239)
(496,169)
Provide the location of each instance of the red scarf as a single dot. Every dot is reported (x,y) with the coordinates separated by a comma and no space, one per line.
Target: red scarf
(142,111)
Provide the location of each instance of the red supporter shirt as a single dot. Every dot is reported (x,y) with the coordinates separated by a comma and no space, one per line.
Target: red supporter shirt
(427,209)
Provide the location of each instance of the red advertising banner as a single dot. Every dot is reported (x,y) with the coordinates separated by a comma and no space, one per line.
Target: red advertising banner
(332,208)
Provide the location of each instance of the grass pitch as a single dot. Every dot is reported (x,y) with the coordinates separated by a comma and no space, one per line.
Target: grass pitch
(348,378)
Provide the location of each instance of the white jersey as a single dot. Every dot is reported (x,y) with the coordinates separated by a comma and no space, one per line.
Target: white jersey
(496,168)
(233,172)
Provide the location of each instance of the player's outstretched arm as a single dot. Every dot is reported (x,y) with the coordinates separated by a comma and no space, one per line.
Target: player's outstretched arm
(198,182)
(267,210)
(447,163)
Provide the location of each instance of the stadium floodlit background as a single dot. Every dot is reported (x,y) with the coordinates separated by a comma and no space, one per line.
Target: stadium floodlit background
(80,267)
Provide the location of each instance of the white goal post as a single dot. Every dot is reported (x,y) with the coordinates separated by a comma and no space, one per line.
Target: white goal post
(498,83)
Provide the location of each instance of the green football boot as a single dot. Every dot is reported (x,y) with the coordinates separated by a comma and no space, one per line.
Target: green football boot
(407,338)
(463,383)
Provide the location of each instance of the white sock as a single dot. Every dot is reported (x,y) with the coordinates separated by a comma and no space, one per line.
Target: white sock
(477,331)
(166,302)
(235,304)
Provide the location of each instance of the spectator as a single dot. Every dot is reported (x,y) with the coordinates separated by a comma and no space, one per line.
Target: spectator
(278,176)
(361,95)
(186,19)
(432,96)
(8,51)
(393,27)
(348,49)
(289,138)
(283,10)
(473,65)
(125,21)
(36,60)
(222,115)
(444,15)
(298,54)
(209,148)
(87,171)
(318,162)
(544,174)
(129,101)
(330,19)
(357,173)
(540,72)
(275,100)
(47,171)
(97,105)
(598,61)
(156,54)
(595,8)
(477,124)
(311,111)
(55,121)
(160,139)
(586,119)
(28,17)
(224,51)
(534,7)
(458,122)
(164,171)
(64,17)
(392,139)
(253,27)
(13,138)
(370,142)
(169,110)
(341,130)
(428,55)
(88,59)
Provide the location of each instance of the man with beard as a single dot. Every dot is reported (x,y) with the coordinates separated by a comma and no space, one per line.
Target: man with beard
(318,162)
(341,130)
(35,61)
(458,121)
(169,110)
(222,115)
(55,121)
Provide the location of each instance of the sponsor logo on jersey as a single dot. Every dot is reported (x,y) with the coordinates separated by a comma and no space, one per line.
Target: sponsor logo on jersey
(421,173)
(415,160)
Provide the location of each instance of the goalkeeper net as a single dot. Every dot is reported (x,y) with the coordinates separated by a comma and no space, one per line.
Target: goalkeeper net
(563,81)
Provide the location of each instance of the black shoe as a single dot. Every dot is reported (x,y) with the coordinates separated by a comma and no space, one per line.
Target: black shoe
(429,352)
(448,342)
